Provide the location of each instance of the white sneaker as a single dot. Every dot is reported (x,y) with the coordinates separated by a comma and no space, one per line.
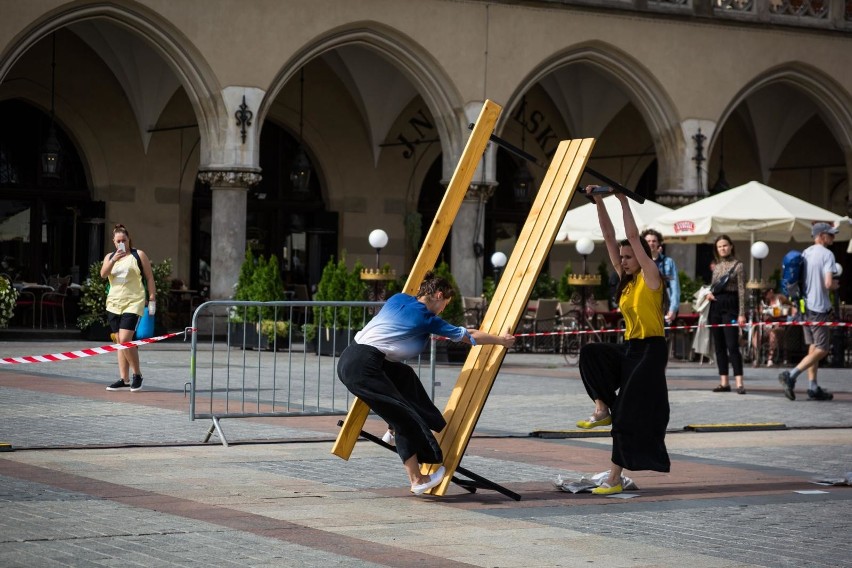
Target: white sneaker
(388,438)
(434,479)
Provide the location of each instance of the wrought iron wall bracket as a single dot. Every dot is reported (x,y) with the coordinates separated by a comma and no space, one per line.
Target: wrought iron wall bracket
(244,117)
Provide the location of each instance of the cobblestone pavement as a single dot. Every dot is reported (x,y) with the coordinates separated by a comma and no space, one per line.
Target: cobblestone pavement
(99,478)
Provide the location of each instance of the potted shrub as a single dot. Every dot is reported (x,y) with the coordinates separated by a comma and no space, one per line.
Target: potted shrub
(255,327)
(335,327)
(244,336)
(8,301)
(267,287)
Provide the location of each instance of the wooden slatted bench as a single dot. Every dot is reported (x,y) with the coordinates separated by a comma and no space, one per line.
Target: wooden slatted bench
(507,306)
(428,256)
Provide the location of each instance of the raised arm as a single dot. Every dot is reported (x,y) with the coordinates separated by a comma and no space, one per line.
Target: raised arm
(649,268)
(607,230)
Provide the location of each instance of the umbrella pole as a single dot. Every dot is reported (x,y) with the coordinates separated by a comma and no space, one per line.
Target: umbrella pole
(751,259)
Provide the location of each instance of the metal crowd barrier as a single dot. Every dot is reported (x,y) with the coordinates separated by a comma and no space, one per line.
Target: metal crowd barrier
(236,372)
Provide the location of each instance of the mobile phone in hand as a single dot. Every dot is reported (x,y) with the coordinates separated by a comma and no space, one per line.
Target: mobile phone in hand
(121,247)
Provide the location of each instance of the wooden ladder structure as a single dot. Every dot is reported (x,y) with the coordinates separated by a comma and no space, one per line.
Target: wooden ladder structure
(507,306)
(428,256)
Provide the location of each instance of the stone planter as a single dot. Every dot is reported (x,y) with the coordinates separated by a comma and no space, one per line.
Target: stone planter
(333,342)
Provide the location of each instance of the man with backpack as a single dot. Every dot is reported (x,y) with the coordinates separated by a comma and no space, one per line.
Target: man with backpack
(819,268)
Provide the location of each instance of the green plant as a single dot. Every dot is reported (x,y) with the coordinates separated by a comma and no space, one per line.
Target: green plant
(8,299)
(545,287)
(339,284)
(94,294)
(266,286)
(244,282)
(454,312)
(564,290)
(271,328)
(601,291)
(488,288)
(688,286)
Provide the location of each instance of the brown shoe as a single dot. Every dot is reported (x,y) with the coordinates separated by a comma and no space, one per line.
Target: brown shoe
(722,388)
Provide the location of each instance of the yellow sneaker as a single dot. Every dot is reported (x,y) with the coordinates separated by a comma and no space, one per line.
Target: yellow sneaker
(592,423)
(605,489)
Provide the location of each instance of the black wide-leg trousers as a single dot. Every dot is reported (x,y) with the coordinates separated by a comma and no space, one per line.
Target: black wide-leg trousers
(394,392)
(630,378)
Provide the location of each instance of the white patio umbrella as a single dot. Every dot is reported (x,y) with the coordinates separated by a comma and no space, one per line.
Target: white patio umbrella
(582,222)
(747,212)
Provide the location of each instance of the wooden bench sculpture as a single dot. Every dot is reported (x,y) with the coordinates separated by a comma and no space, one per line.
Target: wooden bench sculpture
(507,306)
(428,256)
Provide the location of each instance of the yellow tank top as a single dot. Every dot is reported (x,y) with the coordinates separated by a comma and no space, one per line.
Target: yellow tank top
(642,309)
(126,293)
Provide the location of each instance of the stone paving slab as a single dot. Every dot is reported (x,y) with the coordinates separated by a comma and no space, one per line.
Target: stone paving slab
(132,486)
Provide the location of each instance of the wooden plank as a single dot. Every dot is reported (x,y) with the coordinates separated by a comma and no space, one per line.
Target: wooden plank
(510,299)
(428,256)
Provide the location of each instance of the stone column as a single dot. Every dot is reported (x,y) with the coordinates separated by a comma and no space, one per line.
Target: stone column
(468,227)
(228,239)
(468,239)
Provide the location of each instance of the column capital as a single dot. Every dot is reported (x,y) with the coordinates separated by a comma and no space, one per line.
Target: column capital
(480,190)
(230,177)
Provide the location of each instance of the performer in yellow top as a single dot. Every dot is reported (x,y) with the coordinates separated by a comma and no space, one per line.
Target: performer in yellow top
(125,268)
(628,381)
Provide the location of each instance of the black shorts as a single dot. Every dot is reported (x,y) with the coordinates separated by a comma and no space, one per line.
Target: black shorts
(126,320)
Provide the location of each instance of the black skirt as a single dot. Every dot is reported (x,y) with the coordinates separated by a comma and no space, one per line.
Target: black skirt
(394,392)
(631,379)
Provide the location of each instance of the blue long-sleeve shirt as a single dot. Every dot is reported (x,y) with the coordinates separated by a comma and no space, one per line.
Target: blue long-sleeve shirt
(401,328)
(668,271)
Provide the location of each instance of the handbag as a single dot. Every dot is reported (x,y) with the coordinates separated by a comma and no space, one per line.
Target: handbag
(720,285)
(145,328)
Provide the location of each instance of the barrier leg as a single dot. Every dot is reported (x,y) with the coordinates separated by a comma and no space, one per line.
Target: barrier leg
(217,427)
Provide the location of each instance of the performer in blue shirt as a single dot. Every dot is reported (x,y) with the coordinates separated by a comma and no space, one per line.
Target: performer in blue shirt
(372,369)
(668,271)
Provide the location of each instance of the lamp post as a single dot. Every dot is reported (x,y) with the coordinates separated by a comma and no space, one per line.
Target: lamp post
(585,247)
(378,240)
(498,261)
(51,154)
(759,251)
(300,172)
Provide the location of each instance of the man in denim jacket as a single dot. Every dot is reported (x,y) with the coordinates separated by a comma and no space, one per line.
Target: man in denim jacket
(668,270)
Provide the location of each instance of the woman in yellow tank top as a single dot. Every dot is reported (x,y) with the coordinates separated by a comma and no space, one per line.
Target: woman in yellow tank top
(628,381)
(125,302)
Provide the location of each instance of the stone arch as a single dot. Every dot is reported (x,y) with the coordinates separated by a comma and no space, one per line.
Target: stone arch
(412,60)
(194,74)
(833,102)
(640,86)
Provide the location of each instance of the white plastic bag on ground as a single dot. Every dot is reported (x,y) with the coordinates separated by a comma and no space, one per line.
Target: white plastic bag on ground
(586,483)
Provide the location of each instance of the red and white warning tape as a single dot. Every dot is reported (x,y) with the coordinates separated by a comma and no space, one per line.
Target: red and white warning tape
(690,327)
(68,355)
(676,328)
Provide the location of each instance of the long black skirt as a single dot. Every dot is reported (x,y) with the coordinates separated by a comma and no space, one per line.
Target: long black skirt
(394,392)
(631,379)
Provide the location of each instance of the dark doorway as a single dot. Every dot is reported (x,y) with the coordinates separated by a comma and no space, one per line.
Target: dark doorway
(45,222)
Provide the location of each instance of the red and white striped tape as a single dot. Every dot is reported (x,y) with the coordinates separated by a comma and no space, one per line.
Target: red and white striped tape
(689,327)
(68,355)
(677,327)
